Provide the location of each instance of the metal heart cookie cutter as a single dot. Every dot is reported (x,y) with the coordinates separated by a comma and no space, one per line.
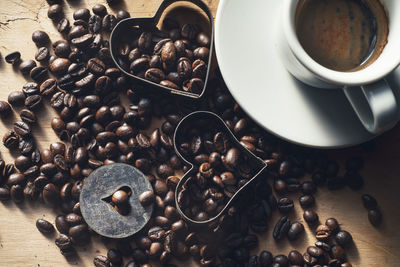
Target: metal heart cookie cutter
(183,11)
(254,166)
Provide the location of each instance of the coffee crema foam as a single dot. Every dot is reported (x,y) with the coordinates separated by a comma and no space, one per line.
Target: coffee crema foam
(342,35)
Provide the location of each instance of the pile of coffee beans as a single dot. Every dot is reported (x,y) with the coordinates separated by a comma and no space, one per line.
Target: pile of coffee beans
(222,168)
(175,57)
(84,86)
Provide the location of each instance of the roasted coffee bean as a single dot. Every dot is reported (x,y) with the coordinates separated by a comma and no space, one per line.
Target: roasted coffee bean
(140,64)
(375,217)
(48,87)
(265,258)
(190,31)
(27,116)
(307,201)
(146,198)
(95,23)
(201,53)
(42,54)
(13,57)
(4,194)
(54,12)
(315,251)
(332,224)
(16,178)
(99,10)
(26,66)
(40,38)
(295,258)
(295,230)
(101,261)
(77,31)
(203,39)
(26,145)
(114,256)
(200,71)
(184,68)
(123,14)
(120,197)
(154,75)
(63,242)
(109,22)
(308,188)
(22,128)
(308,259)
(30,88)
(323,232)
(322,245)
(281,260)
(310,216)
(337,252)
(281,228)
(168,53)
(369,201)
(73,219)
(63,26)
(60,66)
(156,234)
(15,98)
(17,194)
(83,41)
(285,205)
(33,102)
(194,85)
(44,226)
(96,66)
(144,42)
(5,108)
(169,84)
(343,238)
(51,194)
(82,13)
(62,49)
(61,224)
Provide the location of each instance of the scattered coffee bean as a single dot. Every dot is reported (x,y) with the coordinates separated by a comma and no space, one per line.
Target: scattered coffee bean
(40,38)
(13,58)
(310,216)
(146,198)
(5,108)
(281,228)
(369,201)
(44,226)
(375,217)
(343,238)
(295,230)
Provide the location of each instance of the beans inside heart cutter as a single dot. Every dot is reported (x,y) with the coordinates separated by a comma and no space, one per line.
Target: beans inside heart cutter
(192,146)
(190,11)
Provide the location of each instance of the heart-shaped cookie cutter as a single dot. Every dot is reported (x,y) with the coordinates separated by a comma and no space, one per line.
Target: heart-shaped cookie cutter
(212,118)
(128,25)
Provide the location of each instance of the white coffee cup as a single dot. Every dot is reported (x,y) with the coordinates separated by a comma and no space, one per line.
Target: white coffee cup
(366,89)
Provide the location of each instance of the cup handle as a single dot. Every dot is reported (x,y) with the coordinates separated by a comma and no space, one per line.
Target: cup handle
(374,104)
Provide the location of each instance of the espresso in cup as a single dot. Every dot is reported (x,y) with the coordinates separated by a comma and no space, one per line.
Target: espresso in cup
(342,35)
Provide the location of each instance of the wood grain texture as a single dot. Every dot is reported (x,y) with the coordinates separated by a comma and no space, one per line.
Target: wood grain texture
(22,245)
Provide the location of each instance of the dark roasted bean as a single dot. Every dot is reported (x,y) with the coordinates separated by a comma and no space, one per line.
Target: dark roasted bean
(281,228)
(44,226)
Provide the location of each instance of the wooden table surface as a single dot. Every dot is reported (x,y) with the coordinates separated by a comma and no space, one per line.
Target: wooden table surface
(22,245)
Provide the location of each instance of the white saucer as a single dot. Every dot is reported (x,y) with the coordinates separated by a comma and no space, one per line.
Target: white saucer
(246,48)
